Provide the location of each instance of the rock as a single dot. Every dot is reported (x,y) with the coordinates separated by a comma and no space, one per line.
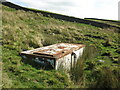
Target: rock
(101,61)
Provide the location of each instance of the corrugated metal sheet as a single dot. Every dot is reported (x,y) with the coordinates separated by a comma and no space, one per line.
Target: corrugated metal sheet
(55,51)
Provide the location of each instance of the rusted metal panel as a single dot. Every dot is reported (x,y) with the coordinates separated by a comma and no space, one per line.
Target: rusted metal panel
(54,51)
(58,50)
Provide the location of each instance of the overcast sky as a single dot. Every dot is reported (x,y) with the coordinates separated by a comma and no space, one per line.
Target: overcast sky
(103,9)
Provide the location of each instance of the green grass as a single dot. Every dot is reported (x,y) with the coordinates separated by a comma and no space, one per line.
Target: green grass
(27,30)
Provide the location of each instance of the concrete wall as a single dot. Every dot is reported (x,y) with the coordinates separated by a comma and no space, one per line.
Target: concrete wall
(78,52)
(63,63)
(39,62)
(67,61)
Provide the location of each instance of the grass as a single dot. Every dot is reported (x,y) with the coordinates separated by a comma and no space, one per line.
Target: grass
(105,80)
(27,30)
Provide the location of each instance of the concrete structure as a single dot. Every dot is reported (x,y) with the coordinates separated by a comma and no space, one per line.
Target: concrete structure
(57,56)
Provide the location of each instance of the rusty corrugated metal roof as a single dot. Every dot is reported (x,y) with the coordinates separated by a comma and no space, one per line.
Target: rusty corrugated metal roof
(56,51)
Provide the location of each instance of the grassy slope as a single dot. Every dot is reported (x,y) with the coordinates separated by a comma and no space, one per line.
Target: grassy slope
(27,30)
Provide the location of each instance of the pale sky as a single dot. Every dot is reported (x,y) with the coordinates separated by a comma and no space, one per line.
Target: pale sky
(103,9)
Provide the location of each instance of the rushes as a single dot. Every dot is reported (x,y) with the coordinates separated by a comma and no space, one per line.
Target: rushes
(102,77)
(107,79)
(77,73)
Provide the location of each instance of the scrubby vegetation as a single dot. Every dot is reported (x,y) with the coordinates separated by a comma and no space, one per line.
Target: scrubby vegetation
(27,30)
